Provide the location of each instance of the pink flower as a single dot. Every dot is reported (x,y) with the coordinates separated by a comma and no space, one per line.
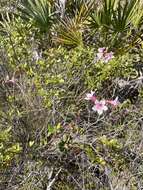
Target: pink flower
(100,107)
(108,57)
(113,102)
(102,50)
(104,56)
(90,96)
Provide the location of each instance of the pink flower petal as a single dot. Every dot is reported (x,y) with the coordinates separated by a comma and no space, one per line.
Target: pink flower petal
(113,102)
(104,56)
(101,50)
(100,106)
(90,96)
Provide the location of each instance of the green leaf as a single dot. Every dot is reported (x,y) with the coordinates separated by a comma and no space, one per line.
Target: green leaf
(31,143)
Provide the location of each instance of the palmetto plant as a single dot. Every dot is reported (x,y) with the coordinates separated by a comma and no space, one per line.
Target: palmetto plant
(116,14)
(124,15)
(116,19)
(69,33)
(84,10)
(71,27)
(102,16)
(40,11)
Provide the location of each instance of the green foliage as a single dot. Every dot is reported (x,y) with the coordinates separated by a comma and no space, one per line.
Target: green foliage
(50,136)
(52,130)
(79,9)
(123,16)
(117,15)
(103,16)
(93,156)
(75,6)
(8,149)
(70,29)
(41,12)
(69,33)
(115,20)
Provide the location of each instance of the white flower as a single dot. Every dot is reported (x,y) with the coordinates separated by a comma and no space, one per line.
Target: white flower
(100,107)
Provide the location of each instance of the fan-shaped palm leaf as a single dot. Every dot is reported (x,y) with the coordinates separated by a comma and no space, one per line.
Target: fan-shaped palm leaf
(40,11)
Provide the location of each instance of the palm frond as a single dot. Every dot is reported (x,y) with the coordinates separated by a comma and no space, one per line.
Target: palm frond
(40,11)
(69,33)
(5,23)
(84,11)
(122,17)
(102,16)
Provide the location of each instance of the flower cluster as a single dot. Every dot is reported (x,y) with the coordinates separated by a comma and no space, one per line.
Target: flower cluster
(104,56)
(100,105)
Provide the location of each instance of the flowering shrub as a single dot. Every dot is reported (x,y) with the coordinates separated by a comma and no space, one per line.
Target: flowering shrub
(100,106)
(49,139)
